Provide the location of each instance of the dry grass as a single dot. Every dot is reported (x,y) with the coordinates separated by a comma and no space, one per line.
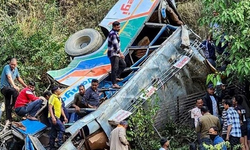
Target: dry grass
(190,11)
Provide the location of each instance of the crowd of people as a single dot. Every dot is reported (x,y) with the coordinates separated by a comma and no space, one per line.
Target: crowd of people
(220,118)
(26,104)
(213,125)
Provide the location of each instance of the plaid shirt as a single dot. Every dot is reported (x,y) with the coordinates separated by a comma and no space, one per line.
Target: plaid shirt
(234,120)
(113,44)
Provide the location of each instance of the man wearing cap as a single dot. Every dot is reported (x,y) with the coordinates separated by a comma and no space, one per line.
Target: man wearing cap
(118,140)
(8,87)
(216,139)
(164,144)
(115,55)
(27,104)
(55,112)
(210,100)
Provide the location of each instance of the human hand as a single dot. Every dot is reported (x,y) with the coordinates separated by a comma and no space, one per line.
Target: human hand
(65,120)
(16,87)
(77,109)
(53,120)
(122,56)
(42,98)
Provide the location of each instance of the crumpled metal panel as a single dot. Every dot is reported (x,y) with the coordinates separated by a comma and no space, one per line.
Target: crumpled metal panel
(68,145)
(153,69)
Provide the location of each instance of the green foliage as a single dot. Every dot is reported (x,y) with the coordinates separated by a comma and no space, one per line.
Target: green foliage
(214,78)
(220,146)
(180,136)
(35,32)
(233,19)
(142,133)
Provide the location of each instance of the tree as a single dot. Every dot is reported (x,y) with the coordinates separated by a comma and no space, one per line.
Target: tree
(233,22)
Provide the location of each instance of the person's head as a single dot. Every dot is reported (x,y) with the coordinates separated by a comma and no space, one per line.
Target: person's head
(204,110)
(81,89)
(47,94)
(94,84)
(227,103)
(13,63)
(213,132)
(116,26)
(210,89)
(237,100)
(56,90)
(215,13)
(210,37)
(124,123)
(164,143)
(199,103)
(31,85)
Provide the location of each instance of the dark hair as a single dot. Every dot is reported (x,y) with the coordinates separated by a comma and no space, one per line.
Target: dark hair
(215,128)
(192,146)
(163,141)
(204,109)
(47,93)
(94,81)
(116,23)
(81,85)
(199,99)
(124,122)
(54,88)
(228,102)
(238,99)
(32,83)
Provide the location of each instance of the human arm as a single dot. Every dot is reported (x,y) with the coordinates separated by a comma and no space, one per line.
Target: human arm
(219,125)
(11,82)
(30,95)
(86,98)
(229,127)
(64,116)
(53,118)
(75,102)
(20,80)
(198,126)
(122,136)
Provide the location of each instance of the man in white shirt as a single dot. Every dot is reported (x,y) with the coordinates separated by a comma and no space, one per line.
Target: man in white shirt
(196,112)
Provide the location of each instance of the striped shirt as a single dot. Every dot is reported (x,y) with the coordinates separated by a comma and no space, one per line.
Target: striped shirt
(113,44)
(224,122)
(233,119)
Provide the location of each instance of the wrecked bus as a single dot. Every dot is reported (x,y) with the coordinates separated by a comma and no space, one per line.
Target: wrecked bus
(163,56)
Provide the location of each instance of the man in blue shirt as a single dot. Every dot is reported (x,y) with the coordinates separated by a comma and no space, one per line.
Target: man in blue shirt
(91,98)
(115,55)
(8,87)
(216,139)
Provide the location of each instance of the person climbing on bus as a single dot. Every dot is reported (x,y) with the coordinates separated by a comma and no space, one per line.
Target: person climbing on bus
(115,55)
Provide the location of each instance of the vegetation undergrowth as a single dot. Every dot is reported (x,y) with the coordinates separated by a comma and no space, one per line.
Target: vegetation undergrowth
(35,33)
(143,135)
